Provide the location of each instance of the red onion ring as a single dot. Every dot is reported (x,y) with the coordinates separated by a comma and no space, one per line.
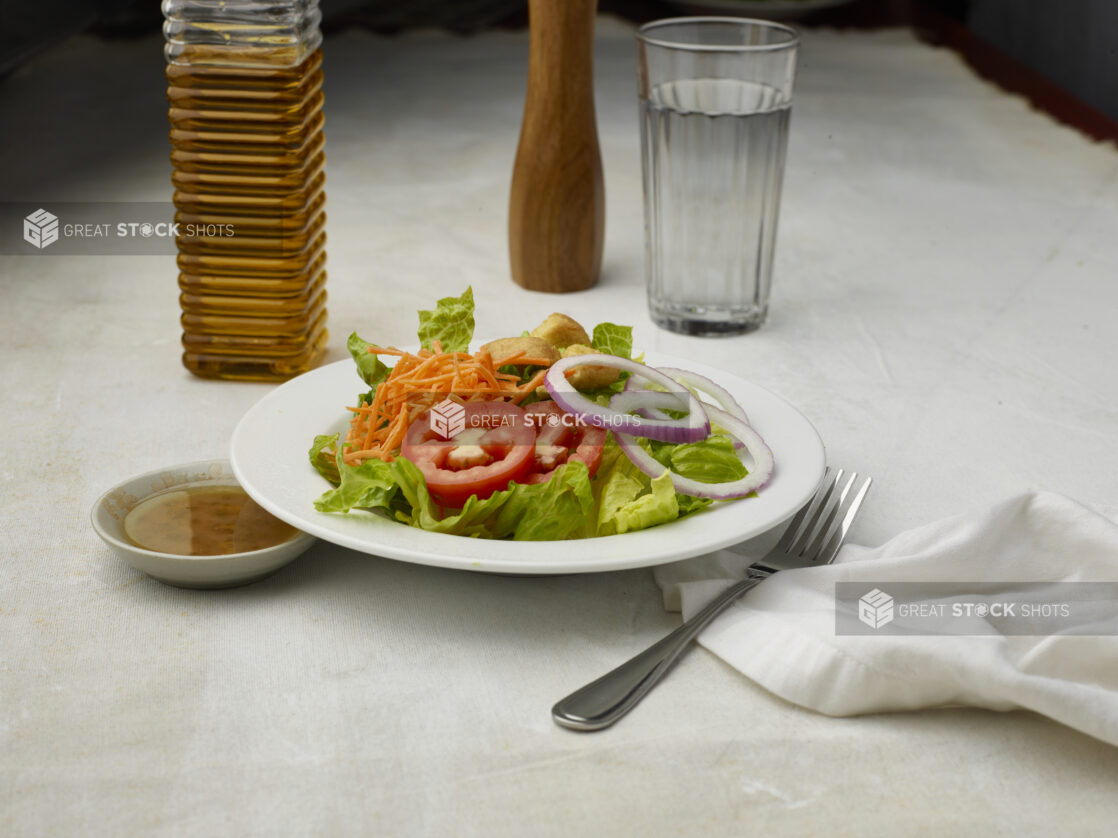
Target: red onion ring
(694,381)
(691,428)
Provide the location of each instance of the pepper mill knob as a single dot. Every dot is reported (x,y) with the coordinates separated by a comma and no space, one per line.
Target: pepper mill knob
(557,201)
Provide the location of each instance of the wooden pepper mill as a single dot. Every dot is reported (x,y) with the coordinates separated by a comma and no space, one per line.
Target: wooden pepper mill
(557,205)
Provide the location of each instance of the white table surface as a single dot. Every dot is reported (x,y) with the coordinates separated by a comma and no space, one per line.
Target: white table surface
(943,310)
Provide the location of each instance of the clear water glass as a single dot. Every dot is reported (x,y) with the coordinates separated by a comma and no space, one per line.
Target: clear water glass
(715,99)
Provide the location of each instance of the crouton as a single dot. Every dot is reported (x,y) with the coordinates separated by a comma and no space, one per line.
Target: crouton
(535,349)
(561,331)
(589,377)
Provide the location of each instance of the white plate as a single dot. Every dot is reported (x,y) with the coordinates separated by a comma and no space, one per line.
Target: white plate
(269,457)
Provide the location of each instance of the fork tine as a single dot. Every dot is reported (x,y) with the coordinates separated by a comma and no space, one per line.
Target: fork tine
(818,511)
(819,507)
(827,518)
(807,512)
(836,540)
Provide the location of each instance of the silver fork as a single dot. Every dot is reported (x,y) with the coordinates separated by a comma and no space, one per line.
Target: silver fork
(814,536)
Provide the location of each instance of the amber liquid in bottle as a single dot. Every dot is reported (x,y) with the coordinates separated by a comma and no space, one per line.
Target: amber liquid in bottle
(248,161)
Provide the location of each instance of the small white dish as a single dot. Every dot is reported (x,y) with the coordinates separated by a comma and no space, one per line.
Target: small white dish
(186,571)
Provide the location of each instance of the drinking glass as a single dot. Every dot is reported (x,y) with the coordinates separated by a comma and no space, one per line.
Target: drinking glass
(715,99)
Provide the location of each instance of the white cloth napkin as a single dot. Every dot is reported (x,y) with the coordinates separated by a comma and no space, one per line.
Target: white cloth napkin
(782,634)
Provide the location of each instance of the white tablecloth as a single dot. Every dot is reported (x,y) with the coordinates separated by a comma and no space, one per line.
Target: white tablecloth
(943,311)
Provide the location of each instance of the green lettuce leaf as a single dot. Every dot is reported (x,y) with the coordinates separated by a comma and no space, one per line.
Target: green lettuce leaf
(657,506)
(689,503)
(371,485)
(613,339)
(322,460)
(473,519)
(620,482)
(451,323)
(370,367)
(553,510)
(618,490)
(628,500)
(710,460)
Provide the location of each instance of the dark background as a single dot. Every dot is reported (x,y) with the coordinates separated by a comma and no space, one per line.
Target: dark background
(1062,55)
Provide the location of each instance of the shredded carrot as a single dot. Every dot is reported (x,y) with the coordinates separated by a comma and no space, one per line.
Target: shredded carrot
(422,379)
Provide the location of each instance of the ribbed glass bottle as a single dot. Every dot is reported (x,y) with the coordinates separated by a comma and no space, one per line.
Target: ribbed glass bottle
(245,93)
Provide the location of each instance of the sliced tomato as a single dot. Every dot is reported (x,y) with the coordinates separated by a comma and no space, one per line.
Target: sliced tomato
(561,439)
(495,446)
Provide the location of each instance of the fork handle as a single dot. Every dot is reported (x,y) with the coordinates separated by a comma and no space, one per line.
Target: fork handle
(602,702)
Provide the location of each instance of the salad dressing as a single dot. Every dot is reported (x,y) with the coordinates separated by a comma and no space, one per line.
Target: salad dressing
(204,521)
(246,112)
